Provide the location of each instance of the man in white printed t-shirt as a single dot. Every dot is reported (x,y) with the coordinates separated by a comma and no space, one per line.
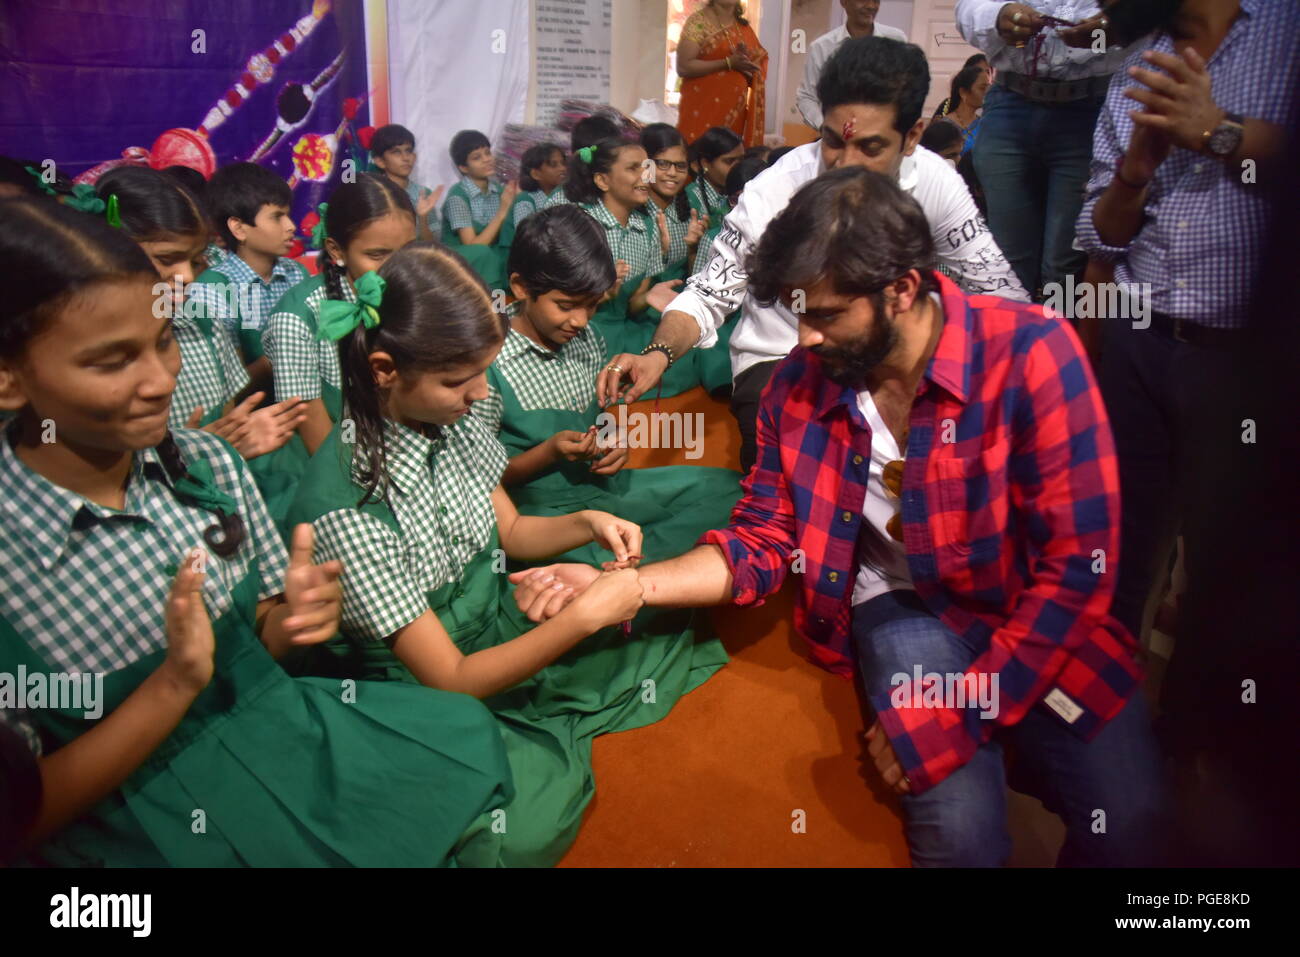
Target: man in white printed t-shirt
(873,91)
(860,21)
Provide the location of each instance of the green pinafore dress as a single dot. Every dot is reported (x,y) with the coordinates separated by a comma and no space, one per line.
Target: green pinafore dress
(712,365)
(621,330)
(271,771)
(276,473)
(608,682)
(488,261)
(674,505)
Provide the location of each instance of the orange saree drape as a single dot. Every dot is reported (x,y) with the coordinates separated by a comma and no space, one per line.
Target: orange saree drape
(726,98)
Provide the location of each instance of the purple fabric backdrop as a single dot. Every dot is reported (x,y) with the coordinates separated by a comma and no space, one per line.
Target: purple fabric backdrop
(84,80)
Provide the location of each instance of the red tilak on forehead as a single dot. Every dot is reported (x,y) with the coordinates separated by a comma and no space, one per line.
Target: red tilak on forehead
(849,125)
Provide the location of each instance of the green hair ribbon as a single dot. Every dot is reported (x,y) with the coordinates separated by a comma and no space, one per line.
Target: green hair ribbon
(111,212)
(84,200)
(199,485)
(40,180)
(318,231)
(587,152)
(337,319)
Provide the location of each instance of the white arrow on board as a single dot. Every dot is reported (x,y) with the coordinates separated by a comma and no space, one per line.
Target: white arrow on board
(940,39)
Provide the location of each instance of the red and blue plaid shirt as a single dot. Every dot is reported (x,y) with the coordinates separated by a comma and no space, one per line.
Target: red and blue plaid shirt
(1010,507)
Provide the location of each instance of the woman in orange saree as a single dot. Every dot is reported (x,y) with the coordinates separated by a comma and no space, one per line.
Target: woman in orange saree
(723,69)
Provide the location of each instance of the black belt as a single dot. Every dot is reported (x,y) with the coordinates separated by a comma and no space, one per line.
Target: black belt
(1047,90)
(1206,336)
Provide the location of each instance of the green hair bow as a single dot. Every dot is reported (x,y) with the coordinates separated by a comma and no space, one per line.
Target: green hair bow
(40,180)
(318,231)
(84,199)
(199,485)
(587,152)
(337,319)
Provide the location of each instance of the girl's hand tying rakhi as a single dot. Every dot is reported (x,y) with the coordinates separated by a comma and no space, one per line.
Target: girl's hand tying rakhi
(541,593)
(621,537)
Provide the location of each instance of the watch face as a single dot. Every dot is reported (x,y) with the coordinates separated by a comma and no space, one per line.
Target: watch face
(1224,139)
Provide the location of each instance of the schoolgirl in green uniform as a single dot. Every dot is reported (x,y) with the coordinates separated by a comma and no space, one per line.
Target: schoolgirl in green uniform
(711,157)
(542,172)
(685,229)
(414,508)
(477,207)
(165,220)
(611,182)
(680,225)
(542,400)
(363,224)
(198,749)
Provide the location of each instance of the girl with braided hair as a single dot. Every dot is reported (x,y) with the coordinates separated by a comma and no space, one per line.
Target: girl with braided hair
(363,224)
(140,560)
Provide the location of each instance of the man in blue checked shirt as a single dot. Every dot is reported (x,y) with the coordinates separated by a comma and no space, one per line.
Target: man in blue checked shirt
(1052,62)
(1194,120)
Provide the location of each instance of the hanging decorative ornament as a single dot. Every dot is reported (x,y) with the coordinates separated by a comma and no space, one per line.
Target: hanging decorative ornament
(261,67)
(294,105)
(313,157)
(187,147)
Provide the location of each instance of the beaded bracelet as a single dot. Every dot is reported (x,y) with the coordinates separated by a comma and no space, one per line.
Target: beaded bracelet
(660,347)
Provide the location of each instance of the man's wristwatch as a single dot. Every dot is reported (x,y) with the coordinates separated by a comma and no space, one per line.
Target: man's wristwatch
(1226,137)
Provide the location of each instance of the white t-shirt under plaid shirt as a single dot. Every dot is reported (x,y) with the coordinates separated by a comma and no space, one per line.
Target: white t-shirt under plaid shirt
(440,492)
(211,371)
(542,378)
(248,305)
(86,586)
(300,360)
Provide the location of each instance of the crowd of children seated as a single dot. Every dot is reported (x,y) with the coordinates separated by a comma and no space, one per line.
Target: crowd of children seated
(279,509)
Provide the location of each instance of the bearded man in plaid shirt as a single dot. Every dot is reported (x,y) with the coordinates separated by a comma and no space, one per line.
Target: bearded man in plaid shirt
(937,471)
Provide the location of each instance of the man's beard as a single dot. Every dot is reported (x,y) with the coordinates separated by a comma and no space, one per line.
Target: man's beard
(849,365)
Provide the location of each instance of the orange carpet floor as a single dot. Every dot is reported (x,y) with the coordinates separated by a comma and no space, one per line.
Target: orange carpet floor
(764,765)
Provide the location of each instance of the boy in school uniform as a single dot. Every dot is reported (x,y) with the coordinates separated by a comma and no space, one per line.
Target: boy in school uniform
(476,205)
(249,206)
(476,208)
(392,151)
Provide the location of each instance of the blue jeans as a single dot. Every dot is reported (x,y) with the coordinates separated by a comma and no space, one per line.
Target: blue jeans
(962,821)
(1032,163)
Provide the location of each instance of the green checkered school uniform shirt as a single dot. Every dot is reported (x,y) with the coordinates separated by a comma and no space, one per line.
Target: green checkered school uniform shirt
(300,361)
(704,196)
(706,199)
(87,586)
(677,228)
(557,198)
(415,191)
(637,243)
(563,378)
(238,296)
(440,492)
(468,207)
(211,371)
(214,255)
